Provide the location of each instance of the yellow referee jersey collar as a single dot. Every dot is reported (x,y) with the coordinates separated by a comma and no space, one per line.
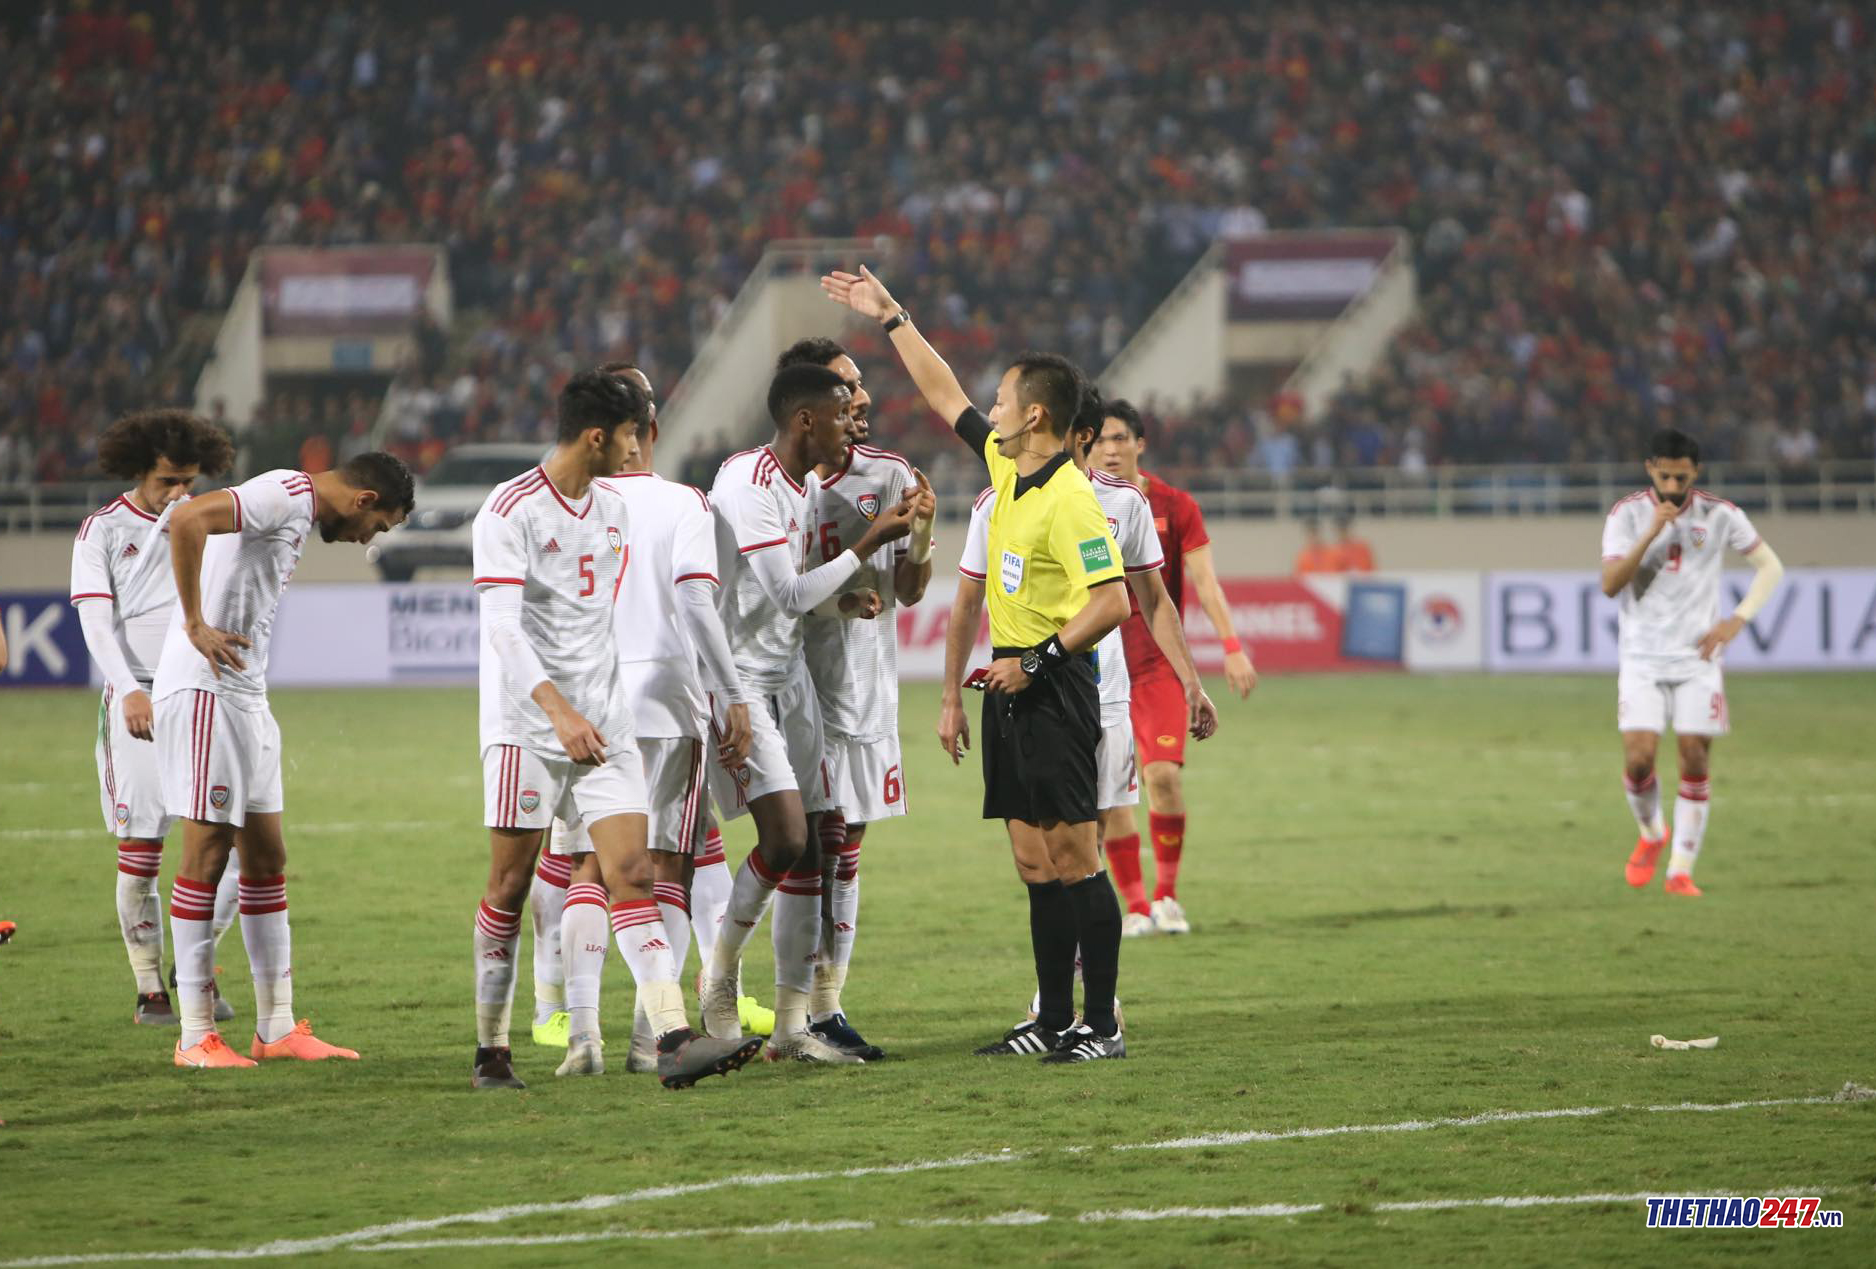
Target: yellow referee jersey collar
(1040,477)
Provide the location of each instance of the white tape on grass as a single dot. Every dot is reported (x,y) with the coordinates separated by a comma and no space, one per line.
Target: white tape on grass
(376,1235)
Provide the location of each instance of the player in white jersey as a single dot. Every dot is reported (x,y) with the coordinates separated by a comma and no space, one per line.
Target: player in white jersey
(670,644)
(126,596)
(1130,519)
(1662,550)
(853,655)
(768,519)
(233,552)
(551,551)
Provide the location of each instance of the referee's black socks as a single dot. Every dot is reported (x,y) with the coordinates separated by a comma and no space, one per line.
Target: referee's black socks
(1052,935)
(1097,921)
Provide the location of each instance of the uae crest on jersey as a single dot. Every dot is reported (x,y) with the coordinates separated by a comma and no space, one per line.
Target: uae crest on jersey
(529,799)
(613,539)
(1113,527)
(868,503)
(218,796)
(1699,535)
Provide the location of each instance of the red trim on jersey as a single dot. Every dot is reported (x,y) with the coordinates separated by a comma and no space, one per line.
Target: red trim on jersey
(134,508)
(84,526)
(104,736)
(625,559)
(783,470)
(693,801)
(1701,493)
(498,581)
(1623,502)
(873,451)
(562,498)
(968,573)
(983,497)
(237,502)
(1143,568)
(834,479)
(312,494)
(1104,478)
(91,594)
(1607,558)
(699,577)
(1756,544)
(523,485)
(762,546)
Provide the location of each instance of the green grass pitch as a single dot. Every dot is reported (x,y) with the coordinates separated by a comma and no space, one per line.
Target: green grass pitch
(1408,902)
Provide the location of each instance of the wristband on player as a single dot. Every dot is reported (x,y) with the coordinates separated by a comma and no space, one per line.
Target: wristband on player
(1232,645)
(894,322)
(1040,660)
(921,541)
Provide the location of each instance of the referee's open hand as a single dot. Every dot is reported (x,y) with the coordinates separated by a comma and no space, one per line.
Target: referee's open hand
(954,729)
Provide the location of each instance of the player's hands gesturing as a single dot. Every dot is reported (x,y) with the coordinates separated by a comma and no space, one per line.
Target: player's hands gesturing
(734,738)
(862,604)
(1713,640)
(954,729)
(139,719)
(864,294)
(579,738)
(925,509)
(1201,714)
(893,523)
(218,646)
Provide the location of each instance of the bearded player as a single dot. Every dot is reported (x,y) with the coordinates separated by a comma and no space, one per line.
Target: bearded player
(1159,704)
(853,653)
(217,743)
(126,596)
(1661,554)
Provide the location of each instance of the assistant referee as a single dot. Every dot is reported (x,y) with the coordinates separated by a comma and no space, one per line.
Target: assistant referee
(1053,592)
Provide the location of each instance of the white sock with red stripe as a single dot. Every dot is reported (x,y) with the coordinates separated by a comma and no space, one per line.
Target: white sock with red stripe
(674,909)
(840,913)
(796,933)
(646,946)
(749,898)
(497,940)
(584,943)
(228,896)
(710,886)
(1690,825)
(191,908)
(545,900)
(140,911)
(269,942)
(1644,800)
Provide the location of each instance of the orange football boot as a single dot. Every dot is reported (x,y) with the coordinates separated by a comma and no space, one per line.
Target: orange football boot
(211,1050)
(300,1043)
(1641,864)
(1681,883)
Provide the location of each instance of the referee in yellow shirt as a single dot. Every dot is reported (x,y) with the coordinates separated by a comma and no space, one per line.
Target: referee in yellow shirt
(1054,591)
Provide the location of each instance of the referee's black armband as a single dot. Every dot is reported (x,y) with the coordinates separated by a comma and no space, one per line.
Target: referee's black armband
(973,428)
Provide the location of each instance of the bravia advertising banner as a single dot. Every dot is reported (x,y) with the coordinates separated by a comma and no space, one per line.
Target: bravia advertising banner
(1299,276)
(343,291)
(1820,619)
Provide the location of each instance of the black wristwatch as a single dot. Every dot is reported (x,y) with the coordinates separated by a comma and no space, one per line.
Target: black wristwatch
(894,322)
(1045,656)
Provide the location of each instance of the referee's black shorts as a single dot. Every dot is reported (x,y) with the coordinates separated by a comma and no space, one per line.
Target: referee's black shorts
(1038,747)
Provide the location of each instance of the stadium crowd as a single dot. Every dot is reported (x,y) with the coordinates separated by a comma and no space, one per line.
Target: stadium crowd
(1648,214)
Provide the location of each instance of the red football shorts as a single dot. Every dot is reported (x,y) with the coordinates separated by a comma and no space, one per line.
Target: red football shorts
(1159,717)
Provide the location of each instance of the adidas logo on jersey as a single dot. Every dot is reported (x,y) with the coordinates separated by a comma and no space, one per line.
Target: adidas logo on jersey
(792,526)
(130,549)
(552,547)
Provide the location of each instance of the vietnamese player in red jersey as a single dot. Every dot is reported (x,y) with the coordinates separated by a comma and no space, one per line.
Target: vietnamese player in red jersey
(1159,702)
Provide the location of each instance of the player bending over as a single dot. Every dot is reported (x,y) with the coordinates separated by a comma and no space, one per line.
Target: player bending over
(217,743)
(1159,706)
(557,735)
(766,502)
(853,653)
(125,594)
(1661,553)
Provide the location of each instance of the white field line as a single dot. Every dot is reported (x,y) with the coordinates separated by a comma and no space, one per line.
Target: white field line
(378,1234)
(1135,1215)
(292,830)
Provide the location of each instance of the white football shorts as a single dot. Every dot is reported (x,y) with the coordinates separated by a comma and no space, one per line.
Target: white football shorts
(1117,776)
(130,786)
(522,789)
(1690,696)
(787,752)
(867,778)
(217,763)
(674,780)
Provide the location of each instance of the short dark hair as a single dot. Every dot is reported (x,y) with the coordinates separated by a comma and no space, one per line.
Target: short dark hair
(597,399)
(1673,443)
(1090,416)
(383,474)
(1128,413)
(132,445)
(798,385)
(1052,382)
(812,351)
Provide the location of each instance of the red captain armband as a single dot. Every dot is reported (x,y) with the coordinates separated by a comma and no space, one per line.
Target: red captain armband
(1232,645)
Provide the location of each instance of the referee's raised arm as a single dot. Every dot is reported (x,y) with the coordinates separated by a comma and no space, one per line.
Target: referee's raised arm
(867,295)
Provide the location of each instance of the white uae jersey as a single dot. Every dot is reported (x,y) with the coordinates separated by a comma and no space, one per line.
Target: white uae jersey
(1130,519)
(758,508)
(244,573)
(856,663)
(121,554)
(569,561)
(1674,597)
(673,541)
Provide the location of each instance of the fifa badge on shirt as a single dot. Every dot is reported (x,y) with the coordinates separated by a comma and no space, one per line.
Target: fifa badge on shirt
(1012,572)
(868,504)
(612,538)
(1699,534)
